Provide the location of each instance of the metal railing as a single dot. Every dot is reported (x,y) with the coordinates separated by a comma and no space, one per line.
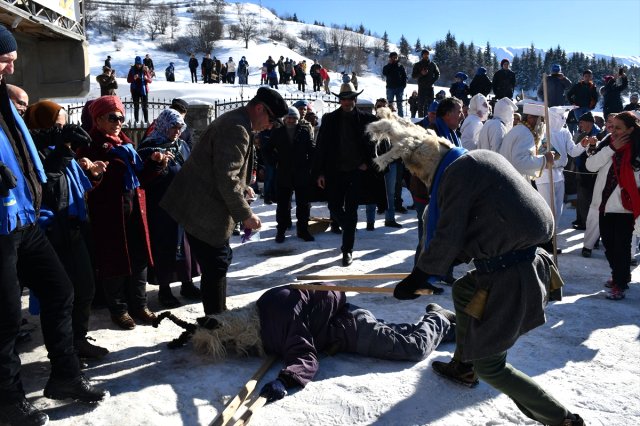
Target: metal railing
(329,102)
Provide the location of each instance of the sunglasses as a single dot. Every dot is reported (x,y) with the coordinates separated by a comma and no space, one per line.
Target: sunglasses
(115,118)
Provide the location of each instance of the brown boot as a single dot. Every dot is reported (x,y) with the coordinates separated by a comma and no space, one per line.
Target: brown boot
(144,315)
(123,321)
(457,371)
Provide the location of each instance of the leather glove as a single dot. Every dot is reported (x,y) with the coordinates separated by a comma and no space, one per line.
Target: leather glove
(274,390)
(7,180)
(76,135)
(416,280)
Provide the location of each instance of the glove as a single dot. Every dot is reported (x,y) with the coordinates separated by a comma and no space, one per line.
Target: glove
(76,135)
(274,390)
(416,280)
(7,180)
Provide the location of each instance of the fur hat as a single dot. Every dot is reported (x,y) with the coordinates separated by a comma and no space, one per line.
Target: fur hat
(42,115)
(7,41)
(236,330)
(587,116)
(272,99)
(556,69)
(347,91)
(104,105)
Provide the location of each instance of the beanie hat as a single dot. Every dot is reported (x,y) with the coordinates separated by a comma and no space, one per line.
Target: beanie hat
(556,69)
(104,105)
(293,112)
(7,41)
(425,51)
(587,116)
(587,71)
(462,76)
(138,60)
(41,115)
(481,71)
(607,78)
(634,95)
(301,103)
(503,61)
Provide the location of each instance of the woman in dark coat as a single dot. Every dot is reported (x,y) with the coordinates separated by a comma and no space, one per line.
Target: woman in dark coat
(117,209)
(480,83)
(611,94)
(167,238)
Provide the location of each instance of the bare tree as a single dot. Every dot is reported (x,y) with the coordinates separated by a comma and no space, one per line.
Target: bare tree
(205,30)
(90,12)
(248,25)
(173,22)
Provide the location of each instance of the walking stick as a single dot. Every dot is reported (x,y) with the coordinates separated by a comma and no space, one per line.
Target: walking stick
(227,414)
(387,276)
(554,294)
(388,290)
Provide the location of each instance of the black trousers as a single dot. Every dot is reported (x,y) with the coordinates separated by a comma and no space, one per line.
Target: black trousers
(283,210)
(584,194)
(425,98)
(27,256)
(194,75)
(343,192)
(137,100)
(70,244)
(214,264)
(616,230)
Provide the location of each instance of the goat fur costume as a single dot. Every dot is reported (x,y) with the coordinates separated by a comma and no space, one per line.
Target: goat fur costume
(420,149)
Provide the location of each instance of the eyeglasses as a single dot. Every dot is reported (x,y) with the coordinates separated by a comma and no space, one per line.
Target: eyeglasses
(113,118)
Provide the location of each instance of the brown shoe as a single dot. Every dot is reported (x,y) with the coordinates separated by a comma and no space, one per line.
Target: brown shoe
(457,371)
(144,315)
(123,321)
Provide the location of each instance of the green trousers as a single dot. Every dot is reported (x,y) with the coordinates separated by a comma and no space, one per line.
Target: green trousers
(530,398)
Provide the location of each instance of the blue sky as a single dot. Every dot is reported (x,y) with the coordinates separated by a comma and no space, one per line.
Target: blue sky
(610,27)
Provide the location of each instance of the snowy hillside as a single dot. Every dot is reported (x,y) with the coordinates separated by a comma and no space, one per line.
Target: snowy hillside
(510,52)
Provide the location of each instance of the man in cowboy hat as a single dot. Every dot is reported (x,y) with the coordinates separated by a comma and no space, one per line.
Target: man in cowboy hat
(343,155)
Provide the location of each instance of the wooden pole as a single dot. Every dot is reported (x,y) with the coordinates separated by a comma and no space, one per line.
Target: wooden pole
(388,276)
(388,290)
(227,414)
(247,416)
(550,169)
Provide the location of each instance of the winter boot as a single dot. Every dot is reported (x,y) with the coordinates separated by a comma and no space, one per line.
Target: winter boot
(190,291)
(22,413)
(280,236)
(214,296)
(573,420)
(457,371)
(371,226)
(88,350)
(166,298)
(347,258)
(78,388)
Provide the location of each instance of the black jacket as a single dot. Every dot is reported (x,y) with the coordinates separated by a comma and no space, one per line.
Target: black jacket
(612,101)
(432,75)
(293,158)
(193,63)
(480,84)
(557,84)
(395,75)
(583,94)
(504,82)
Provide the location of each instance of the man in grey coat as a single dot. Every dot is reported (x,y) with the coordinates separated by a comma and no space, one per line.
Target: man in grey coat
(504,297)
(207,196)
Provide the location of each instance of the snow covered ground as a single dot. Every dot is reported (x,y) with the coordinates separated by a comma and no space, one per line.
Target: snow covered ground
(585,355)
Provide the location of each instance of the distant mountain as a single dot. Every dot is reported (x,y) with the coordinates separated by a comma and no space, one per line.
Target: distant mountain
(510,52)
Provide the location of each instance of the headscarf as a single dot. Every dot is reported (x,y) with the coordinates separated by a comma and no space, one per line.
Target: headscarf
(42,115)
(104,105)
(479,106)
(167,119)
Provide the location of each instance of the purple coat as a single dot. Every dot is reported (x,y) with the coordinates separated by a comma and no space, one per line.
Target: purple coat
(298,324)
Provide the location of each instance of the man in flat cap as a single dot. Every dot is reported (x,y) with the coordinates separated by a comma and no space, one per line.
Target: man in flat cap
(207,196)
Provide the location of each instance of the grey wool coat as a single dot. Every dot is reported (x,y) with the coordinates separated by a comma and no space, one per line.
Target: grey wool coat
(488,209)
(207,195)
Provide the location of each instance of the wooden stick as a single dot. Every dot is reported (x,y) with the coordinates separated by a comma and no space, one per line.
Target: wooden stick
(251,409)
(225,416)
(552,194)
(352,288)
(389,276)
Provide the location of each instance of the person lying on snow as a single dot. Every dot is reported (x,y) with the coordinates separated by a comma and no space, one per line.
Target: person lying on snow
(300,324)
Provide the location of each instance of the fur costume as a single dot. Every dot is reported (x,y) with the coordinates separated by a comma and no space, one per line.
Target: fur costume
(420,149)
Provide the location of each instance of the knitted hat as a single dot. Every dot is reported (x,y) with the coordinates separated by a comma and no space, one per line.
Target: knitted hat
(272,99)
(138,60)
(425,51)
(462,76)
(104,105)
(481,71)
(587,116)
(556,69)
(587,71)
(634,95)
(42,115)
(301,103)
(7,41)
(293,112)
(503,61)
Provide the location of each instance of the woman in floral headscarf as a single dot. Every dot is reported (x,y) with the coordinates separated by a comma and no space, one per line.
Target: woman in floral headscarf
(170,248)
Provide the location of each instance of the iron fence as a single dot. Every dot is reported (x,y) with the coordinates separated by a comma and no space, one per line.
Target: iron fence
(319,101)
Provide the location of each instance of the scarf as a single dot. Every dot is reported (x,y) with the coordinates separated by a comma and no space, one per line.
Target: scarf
(128,154)
(433,213)
(445,132)
(78,184)
(626,180)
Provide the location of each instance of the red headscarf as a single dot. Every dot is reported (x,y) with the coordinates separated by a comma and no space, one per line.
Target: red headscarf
(104,105)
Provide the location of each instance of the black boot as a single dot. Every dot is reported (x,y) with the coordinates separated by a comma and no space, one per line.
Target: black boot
(214,296)
(305,235)
(166,298)
(190,291)
(573,420)
(457,371)
(280,236)
(22,413)
(78,388)
(87,350)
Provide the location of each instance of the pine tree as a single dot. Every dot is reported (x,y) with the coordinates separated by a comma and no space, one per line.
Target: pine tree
(361,29)
(385,41)
(404,46)
(294,18)
(418,45)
